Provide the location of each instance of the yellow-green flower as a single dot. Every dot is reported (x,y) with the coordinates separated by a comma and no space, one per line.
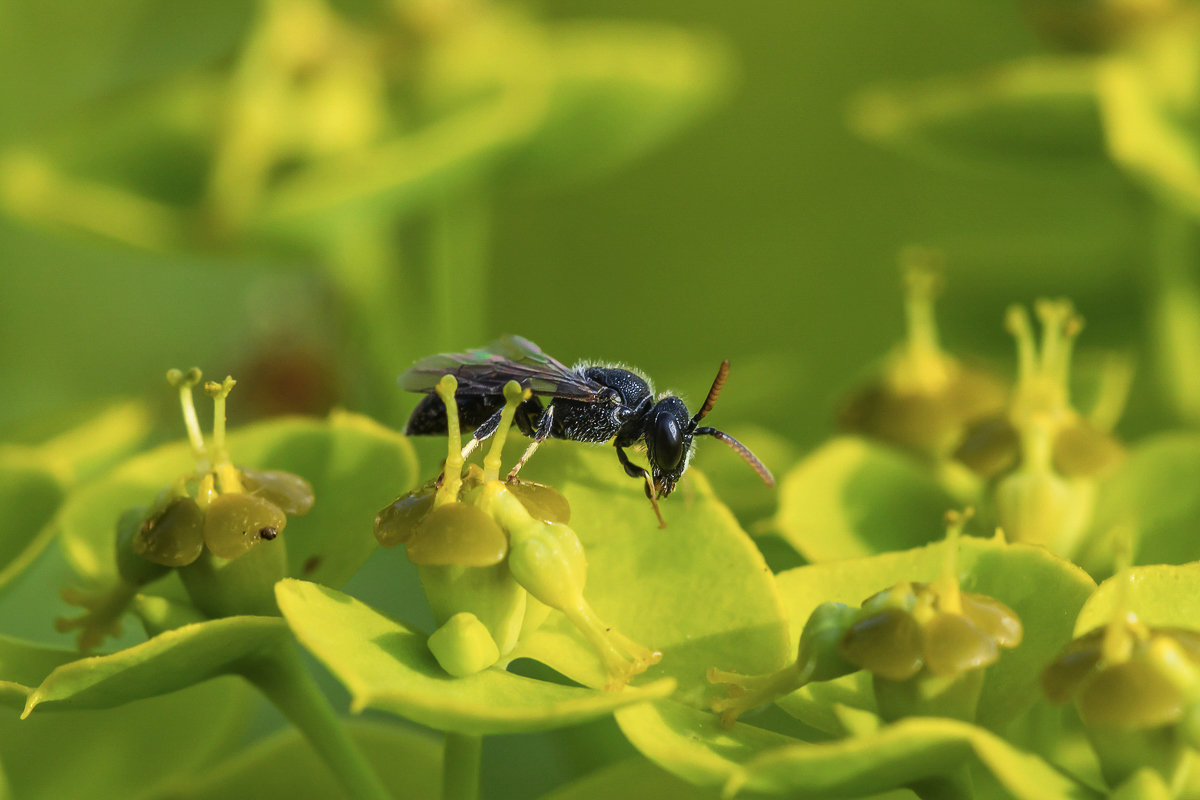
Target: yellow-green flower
(924,398)
(496,556)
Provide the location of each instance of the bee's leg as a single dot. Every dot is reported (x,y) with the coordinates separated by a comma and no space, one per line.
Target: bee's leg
(483,432)
(543,432)
(634,471)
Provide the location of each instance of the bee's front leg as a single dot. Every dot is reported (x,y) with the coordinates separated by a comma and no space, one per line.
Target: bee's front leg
(634,471)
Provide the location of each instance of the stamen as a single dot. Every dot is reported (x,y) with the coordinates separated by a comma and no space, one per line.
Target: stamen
(926,362)
(1016,321)
(946,586)
(514,395)
(218,392)
(184,383)
(452,472)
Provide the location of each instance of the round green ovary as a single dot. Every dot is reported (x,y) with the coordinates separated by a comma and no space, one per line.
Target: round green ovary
(463,645)
(396,523)
(174,537)
(541,501)
(457,534)
(291,493)
(237,522)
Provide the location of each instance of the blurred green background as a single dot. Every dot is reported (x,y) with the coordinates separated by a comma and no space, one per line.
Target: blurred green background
(674,183)
(765,232)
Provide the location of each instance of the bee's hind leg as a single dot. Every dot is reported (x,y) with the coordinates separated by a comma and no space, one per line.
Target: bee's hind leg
(543,432)
(482,433)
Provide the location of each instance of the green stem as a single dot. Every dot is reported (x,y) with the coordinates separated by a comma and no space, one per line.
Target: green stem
(460,767)
(281,676)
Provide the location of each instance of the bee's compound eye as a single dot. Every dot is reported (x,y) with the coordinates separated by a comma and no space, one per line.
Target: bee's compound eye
(668,444)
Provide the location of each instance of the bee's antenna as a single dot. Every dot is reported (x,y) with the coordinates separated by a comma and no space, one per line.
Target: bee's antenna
(738,447)
(713,393)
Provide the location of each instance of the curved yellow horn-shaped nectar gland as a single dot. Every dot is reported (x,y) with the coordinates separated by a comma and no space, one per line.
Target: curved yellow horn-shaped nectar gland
(463,645)
(457,534)
(184,381)
(174,536)
(235,523)
(292,494)
(514,395)
(452,472)
(817,659)
(396,523)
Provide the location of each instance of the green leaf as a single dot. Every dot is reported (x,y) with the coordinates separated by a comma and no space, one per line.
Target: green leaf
(121,753)
(619,90)
(692,744)
(387,665)
(31,489)
(1161,595)
(1152,500)
(901,754)
(735,483)
(1044,591)
(170,661)
(1035,115)
(355,465)
(108,434)
(284,766)
(698,591)
(854,498)
(24,665)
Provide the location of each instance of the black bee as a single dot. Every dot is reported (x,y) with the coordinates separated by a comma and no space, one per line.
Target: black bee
(588,403)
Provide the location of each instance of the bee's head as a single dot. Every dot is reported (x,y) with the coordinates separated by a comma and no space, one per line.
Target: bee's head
(670,435)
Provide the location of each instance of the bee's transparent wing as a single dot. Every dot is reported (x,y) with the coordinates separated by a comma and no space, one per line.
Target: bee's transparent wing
(486,370)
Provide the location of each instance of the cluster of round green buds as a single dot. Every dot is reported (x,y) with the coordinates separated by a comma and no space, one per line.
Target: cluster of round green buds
(1137,690)
(495,556)
(219,509)
(924,398)
(926,645)
(1042,455)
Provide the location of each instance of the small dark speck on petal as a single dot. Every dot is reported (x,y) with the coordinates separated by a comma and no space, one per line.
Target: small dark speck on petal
(268,533)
